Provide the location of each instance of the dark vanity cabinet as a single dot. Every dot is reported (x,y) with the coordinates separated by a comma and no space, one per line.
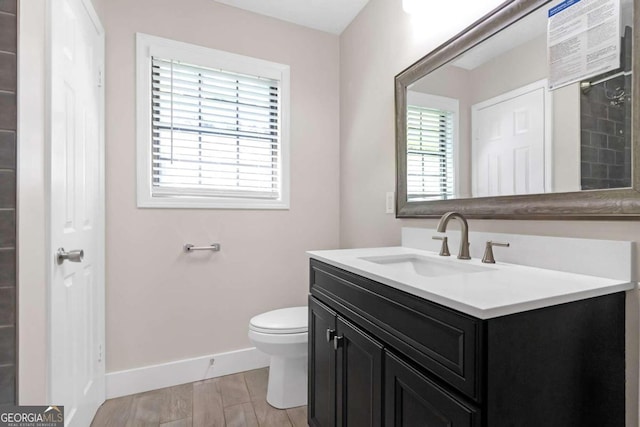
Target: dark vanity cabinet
(381,357)
(345,372)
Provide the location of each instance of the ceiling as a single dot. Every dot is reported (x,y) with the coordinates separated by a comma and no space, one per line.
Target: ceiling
(331,16)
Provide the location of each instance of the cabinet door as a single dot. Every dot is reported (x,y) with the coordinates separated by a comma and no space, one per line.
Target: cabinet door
(412,400)
(359,374)
(322,365)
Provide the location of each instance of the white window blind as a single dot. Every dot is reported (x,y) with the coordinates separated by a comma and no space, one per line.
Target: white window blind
(214,133)
(430,163)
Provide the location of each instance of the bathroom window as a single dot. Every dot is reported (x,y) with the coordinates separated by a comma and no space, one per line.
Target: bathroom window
(431,134)
(213,128)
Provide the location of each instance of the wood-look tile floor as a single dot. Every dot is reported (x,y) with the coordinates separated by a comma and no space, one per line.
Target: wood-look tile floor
(237,400)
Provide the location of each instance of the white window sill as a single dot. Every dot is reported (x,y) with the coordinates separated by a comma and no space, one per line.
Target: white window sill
(179,202)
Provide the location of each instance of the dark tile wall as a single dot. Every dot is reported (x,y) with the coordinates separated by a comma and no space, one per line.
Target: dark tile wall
(605,124)
(8,73)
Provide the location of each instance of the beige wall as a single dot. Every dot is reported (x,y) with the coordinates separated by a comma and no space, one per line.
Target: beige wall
(163,305)
(367,150)
(516,68)
(566,138)
(373,49)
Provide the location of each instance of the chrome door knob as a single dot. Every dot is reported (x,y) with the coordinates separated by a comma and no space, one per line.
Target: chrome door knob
(73,256)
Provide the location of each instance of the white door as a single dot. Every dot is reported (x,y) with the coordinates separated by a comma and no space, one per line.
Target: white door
(509,144)
(77,210)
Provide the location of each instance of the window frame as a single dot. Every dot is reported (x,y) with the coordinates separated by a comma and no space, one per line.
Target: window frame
(148,46)
(452,105)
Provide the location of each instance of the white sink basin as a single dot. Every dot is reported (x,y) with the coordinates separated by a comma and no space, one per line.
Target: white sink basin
(425,266)
(481,290)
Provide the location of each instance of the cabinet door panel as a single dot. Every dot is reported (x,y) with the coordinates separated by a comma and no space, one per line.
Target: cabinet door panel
(412,400)
(359,372)
(322,365)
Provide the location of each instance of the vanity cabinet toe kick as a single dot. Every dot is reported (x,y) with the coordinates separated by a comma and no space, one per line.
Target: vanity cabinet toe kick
(381,357)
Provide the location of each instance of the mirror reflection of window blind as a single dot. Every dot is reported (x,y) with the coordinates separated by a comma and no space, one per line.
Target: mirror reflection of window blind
(215,133)
(429,154)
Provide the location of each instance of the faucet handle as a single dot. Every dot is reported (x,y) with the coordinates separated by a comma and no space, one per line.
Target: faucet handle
(444,250)
(488,251)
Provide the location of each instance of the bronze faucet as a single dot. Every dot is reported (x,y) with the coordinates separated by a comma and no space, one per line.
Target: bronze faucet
(463,253)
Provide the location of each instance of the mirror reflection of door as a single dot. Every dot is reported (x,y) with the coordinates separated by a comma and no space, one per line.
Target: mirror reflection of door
(508,143)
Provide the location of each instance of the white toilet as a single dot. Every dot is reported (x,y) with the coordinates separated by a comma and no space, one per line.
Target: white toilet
(282,334)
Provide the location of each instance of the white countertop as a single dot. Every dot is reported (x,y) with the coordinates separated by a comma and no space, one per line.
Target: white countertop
(500,290)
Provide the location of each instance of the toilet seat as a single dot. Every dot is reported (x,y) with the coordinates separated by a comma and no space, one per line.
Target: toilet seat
(292,320)
(271,339)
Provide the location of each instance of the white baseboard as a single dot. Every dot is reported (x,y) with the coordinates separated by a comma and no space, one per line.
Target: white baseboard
(132,381)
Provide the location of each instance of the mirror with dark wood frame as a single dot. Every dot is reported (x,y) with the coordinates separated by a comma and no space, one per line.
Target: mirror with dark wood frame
(528,113)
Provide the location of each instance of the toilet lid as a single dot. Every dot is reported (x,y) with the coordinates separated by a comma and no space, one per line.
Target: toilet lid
(283,321)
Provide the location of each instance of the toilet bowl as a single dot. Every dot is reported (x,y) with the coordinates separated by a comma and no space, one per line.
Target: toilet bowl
(282,334)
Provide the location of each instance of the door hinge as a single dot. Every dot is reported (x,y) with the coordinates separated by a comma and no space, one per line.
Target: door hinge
(99,77)
(100,353)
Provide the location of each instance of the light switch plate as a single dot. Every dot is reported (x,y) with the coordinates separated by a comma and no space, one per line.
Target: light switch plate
(391,201)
